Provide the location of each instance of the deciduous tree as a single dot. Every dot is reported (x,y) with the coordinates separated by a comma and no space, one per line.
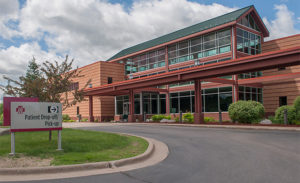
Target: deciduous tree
(50,82)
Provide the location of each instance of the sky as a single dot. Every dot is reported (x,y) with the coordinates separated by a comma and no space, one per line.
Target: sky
(95,30)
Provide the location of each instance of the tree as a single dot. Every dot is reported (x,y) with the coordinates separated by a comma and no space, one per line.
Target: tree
(1,108)
(33,71)
(49,82)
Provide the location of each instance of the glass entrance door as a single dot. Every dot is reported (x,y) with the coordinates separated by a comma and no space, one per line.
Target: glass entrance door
(126,108)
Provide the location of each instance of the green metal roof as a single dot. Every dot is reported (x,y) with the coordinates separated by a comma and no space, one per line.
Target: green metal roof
(220,20)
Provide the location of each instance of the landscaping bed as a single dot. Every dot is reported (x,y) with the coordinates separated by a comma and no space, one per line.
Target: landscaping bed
(80,146)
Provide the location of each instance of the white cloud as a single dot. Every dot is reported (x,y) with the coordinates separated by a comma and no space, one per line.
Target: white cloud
(9,10)
(283,24)
(14,60)
(90,30)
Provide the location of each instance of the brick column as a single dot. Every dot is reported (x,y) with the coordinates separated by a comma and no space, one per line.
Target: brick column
(166,59)
(131,106)
(198,115)
(167,101)
(235,89)
(91,115)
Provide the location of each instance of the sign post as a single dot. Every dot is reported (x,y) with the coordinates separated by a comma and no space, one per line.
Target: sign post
(12,144)
(59,141)
(35,116)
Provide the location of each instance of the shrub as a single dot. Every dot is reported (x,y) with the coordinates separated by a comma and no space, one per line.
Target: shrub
(297,104)
(176,119)
(167,117)
(246,111)
(188,118)
(1,117)
(84,120)
(274,121)
(70,120)
(159,117)
(291,114)
(65,117)
(209,119)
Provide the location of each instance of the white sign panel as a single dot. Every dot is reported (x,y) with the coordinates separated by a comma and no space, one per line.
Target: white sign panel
(36,115)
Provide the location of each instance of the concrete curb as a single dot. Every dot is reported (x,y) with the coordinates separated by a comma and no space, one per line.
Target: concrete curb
(79,167)
(122,162)
(244,127)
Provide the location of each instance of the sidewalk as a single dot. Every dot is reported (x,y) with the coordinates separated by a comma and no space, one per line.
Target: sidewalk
(233,126)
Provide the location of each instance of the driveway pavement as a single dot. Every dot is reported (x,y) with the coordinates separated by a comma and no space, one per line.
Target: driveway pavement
(210,155)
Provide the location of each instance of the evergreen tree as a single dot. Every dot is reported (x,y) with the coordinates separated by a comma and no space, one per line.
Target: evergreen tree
(33,71)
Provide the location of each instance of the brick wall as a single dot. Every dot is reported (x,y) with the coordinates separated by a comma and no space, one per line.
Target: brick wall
(288,87)
(103,106)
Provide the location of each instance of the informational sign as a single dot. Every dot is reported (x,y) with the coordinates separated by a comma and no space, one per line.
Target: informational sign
(35,116)
(6,106)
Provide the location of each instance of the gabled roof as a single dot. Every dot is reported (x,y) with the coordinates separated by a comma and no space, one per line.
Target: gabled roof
(208,24)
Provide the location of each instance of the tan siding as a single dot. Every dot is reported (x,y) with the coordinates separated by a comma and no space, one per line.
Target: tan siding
(98,72)
(288,87)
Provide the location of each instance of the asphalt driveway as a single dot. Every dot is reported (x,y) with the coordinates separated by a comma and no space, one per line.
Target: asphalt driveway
(211,156)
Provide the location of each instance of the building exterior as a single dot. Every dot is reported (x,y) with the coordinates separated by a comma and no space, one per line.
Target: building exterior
(235,36)
(100,73)
(284,91)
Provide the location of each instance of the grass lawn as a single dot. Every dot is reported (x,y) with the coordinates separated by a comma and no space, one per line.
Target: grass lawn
(79,146)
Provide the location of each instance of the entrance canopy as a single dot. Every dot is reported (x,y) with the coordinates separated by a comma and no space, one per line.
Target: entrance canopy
(209,73)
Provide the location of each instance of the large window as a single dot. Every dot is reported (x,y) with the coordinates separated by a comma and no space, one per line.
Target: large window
(249,21)
(216,99)
(213,99)
(249,93)
(152,103)
(182,101)
(146,61)
(248,42)
(202,46)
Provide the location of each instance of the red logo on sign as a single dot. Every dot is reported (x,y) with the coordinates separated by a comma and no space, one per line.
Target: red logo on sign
(20,109)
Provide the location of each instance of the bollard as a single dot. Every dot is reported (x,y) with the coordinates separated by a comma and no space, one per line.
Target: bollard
(220,116)
(180,116)
(285,117)
(144,116)
(79,117)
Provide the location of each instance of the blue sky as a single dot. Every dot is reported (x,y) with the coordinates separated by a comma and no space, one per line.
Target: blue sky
(92,30)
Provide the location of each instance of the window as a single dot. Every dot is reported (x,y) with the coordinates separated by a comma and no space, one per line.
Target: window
(214,43)
(146,61)
(78,112)
(282,100)
(248,42)
(109,80)
(249,21)
(74,86)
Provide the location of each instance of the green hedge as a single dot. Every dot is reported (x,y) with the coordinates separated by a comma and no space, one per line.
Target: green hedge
(66,117)
(209,119)
(84,119)
(159,117)
(246,111)
(291,114)
(188,118)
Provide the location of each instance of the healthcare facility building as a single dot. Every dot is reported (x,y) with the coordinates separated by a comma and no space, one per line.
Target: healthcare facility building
(200,69)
